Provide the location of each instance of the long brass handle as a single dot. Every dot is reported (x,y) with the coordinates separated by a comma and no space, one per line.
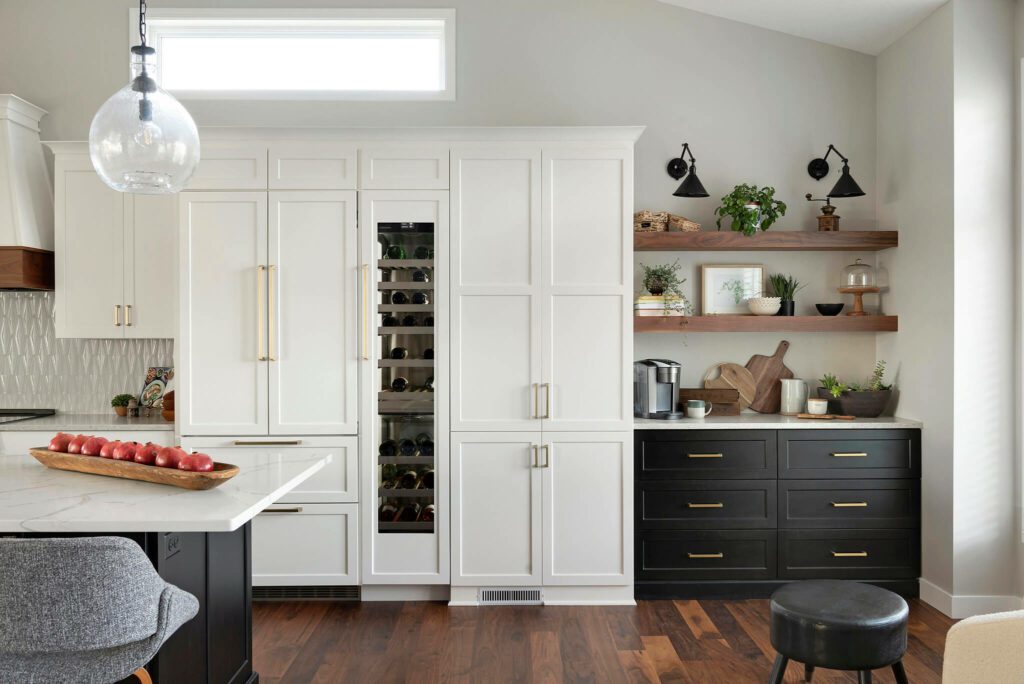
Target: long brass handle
(297,509)
(279,442)
(271,301)
(128,314)
(704,455)
(536,400)
(849,454)
(849,504)
(849,554)
(705,505)
(547,455)
(535,449)
(117,315)
(260,355)
(366,312)
(547,400)
(705,555)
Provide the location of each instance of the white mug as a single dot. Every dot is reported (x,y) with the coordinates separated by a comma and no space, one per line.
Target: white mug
(695,408)
(817,407)
(794,396)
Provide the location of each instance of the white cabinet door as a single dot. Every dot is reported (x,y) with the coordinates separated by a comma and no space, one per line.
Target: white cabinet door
(89,248)
(306,545)
(230,166)
(587,274)
(496,509)
(312,166)
(588,508)
(151,267)
(313,346)
(404,167)
(223,386)
(496,287)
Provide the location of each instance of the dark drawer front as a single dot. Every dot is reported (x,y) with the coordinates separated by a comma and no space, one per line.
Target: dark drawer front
(854,454)
(706,505)
(849,503)
(849,554)
(706,454)
(706,555)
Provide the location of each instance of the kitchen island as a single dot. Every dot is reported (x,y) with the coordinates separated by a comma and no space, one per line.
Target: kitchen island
(200,541)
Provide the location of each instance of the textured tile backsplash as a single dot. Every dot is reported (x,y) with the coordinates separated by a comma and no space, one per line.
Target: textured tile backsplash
(39,371)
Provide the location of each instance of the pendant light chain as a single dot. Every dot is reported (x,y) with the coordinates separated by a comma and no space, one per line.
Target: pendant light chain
(142,22)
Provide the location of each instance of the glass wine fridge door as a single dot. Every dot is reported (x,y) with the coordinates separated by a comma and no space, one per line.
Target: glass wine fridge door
(405,437)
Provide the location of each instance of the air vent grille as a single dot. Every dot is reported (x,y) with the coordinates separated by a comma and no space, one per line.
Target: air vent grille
(510,596)
(305,593)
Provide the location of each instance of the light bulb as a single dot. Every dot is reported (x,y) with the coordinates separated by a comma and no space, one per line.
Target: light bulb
(148,133)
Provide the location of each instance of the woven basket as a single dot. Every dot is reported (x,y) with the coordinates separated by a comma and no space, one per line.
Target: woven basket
(683,224)
(648,221)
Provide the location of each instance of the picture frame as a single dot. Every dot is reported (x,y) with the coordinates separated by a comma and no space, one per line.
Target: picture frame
(725,288)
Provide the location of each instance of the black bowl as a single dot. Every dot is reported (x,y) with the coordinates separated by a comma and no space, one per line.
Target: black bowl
(829,309)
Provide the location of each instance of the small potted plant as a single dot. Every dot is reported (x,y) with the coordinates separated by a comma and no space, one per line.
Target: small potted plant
(785,288)
(120,404)
(866,400)
(664,281)
(750,209)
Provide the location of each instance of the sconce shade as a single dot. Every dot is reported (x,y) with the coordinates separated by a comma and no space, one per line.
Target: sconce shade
(691,185)
(846,186)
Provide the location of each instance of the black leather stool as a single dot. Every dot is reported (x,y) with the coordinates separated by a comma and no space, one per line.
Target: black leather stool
(839,626)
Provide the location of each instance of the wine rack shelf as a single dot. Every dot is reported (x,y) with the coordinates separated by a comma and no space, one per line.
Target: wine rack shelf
(405,460)
(404,264)
(406,308)
(405,363)
(406,526)
(404,285)
(406,493)
(404,330)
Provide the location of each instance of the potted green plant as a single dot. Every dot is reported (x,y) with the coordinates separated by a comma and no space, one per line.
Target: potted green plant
(120,404)
(664,281)
(785,288)
(750,209)
(864,400)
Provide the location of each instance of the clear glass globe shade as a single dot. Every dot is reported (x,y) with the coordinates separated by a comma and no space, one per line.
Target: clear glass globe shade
(147,147)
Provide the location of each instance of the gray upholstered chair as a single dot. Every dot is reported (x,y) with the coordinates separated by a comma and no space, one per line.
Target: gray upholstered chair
(90,609)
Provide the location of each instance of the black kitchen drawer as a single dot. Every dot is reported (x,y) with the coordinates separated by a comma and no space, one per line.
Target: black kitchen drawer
(856,504)
(706,504)
(705,454)
(854,454)
(849,554)
(695,555)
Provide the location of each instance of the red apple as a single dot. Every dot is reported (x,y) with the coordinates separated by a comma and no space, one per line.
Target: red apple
(146,454)
(75,445)
(60,442)
(168,457)
(107,450)
(93,445)
(202,463)
(125,452)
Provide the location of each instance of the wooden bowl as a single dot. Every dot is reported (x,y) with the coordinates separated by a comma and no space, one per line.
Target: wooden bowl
(129,470)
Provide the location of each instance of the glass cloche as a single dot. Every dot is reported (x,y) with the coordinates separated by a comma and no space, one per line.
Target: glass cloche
(858,275)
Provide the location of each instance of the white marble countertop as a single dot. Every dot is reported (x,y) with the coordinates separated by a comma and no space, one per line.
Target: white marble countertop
(85,422)
(764,421)
(34,498)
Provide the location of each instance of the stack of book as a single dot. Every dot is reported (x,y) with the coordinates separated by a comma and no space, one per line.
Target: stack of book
(658,305)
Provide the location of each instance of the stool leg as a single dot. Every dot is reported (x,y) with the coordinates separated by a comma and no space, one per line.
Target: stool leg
(808,672)
(864,677)
(778,669)
(900,673)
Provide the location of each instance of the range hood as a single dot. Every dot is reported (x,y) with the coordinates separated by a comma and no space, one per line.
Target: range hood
(26,199)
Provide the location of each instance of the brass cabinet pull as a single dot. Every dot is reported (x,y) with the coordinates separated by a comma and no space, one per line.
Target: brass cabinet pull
(849,454)
(849,554)
(705,555)
(128,314)
(366,312)
(278,442)
(271,300)
(297,509)
(535,449)
(117,315)
(260,355)
(705,505)
(536,400)
(547,455)
(705,456)
(849,504)
(547,400)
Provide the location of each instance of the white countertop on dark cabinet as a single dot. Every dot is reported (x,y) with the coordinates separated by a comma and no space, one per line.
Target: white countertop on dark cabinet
(764,421)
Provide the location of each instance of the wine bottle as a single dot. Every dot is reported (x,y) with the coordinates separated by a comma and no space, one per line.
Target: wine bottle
(427,479)
(425,443)
(427,514)
(389,321)
(427,354)
(399,297)
(420,277)
(396,251)
(384,244)
(429,385)
(419,298)
(387,512)
(399,353)
(388,471)
(410,512)
(422,252)
(399,384)
(388,447)
(408,480)
(407,447)
(428,321)
(409,321)
(389,483)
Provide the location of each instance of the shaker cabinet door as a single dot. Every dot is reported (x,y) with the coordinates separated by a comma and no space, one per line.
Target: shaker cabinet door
(151,267)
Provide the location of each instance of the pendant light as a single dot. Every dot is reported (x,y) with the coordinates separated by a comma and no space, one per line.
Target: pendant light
(143,140)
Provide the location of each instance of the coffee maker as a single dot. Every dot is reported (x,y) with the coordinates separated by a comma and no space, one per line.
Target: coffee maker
(656,389)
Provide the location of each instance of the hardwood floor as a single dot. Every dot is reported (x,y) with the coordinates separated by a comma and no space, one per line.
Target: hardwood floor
(657,641)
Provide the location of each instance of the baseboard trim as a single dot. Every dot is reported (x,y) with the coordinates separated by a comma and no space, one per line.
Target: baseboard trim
(745,589)
(559,596)
(405,592)
(964,606)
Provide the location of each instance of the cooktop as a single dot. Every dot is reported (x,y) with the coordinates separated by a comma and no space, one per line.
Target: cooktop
(14,415)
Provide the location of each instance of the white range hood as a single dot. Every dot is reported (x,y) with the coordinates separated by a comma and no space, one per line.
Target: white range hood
(26,199)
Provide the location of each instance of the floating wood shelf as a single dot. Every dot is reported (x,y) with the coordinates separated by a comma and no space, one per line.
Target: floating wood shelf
(710,324)
(771,240)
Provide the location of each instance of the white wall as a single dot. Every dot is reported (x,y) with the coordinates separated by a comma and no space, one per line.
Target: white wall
(756,105)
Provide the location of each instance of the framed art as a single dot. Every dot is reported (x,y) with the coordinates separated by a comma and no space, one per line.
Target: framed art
(725,288)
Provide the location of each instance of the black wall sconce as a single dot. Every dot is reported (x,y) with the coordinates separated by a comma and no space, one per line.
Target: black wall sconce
(845,186)
(691,185)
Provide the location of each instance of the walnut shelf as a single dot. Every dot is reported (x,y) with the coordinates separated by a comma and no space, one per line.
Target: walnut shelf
(712,324)
(771,240)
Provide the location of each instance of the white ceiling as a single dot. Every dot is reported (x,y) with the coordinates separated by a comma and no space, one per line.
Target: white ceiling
(867,26)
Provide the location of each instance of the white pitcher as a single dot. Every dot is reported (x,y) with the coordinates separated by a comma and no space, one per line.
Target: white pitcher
(794,396)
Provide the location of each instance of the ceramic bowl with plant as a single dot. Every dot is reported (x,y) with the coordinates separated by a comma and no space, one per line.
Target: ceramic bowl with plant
(864,400)
(120,403)
(664,281)
(785,288)
(764,306)
(750,208)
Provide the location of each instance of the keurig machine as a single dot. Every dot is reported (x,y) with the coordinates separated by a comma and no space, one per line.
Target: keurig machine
(656,389)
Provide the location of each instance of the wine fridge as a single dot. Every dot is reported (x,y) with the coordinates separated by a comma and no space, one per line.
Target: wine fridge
(405,434)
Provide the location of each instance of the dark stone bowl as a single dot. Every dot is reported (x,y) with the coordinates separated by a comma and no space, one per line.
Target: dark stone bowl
(860,404)
(829,309)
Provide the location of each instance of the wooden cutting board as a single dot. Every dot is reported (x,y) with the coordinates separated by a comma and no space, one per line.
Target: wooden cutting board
(732,376)
(767,372)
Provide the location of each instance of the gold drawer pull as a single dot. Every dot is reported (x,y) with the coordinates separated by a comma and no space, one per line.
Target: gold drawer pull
(849,504)
(849,454)
(704,455)
(706,555)
(297,509)
(705,505)
(849,554)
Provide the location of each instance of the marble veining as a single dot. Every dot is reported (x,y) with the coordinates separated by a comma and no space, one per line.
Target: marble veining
(34,498)
(86,422)
(761,421)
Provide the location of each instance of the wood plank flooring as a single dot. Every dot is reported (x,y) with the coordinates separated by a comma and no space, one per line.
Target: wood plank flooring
(657,641)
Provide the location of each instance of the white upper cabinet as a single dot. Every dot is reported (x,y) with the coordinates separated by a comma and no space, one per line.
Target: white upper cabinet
(151,267)
(312,166)
(312,281)
(231,166)
(404,167)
